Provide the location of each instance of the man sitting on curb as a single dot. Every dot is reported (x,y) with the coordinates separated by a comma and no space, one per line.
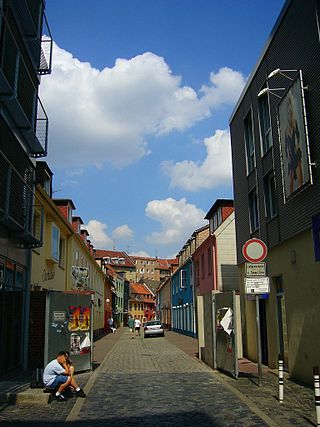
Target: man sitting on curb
(57,374)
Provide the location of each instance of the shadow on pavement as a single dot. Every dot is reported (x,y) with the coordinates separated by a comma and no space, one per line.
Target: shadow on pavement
(188,419)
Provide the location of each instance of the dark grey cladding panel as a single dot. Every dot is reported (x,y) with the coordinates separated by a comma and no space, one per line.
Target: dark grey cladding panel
(295,46)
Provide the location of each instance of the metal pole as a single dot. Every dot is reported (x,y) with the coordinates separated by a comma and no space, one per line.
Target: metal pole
(26,311)
(317,392)
(280,367)
(92,330)
(258,342)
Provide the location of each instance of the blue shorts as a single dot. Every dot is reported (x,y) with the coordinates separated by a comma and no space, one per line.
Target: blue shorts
(60,379)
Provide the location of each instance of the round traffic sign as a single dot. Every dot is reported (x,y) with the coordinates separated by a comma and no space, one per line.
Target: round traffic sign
(254,250)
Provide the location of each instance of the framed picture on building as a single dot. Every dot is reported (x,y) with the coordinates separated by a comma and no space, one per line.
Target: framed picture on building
(293,136)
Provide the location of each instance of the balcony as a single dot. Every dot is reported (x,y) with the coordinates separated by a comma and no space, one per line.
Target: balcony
(40,48)
(20,211)
(18,92)
(35,137)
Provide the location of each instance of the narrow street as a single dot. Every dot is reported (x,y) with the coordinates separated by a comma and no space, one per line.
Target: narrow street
(148,382)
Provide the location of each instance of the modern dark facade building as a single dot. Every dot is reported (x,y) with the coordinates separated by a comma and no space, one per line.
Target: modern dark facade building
(25,55)
(275,132)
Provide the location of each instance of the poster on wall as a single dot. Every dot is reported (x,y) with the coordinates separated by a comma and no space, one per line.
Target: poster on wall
(293,140)
(79,318)
(84,319)
(74,318)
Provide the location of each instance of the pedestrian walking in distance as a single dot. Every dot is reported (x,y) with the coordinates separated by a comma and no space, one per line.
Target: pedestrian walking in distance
(137,325)
(131,326)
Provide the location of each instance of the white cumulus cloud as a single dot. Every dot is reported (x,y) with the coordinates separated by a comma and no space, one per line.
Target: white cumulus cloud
(143,254)
(123,232)
(178,220)
(100,116)
(98,234)
(215,170)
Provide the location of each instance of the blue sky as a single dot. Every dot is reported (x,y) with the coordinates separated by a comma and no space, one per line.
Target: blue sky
(138,103)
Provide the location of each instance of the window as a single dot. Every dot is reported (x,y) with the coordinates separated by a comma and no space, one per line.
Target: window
(62,245)
(202,267)
(248,135)
(270,196)
(217,219)
(253,210)
(47,183)
(209,251)
(265,123)
(215,222)
(55,242)
(37,225)
(183,279)
(219,214)
(197,273)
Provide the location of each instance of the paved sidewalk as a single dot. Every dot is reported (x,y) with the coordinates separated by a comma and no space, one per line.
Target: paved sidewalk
(298,408)
(16,389)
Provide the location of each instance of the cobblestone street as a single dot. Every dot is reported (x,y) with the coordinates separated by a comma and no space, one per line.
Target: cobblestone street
(159,382)
(144,382)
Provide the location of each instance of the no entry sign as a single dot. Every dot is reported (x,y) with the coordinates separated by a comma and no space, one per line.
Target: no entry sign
(254,250)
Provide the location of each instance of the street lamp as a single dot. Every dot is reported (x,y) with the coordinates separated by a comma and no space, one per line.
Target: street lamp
(282,73)
(271,91)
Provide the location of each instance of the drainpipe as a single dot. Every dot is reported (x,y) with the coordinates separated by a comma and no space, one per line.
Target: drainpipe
(215,264)
(26,311)
(194,304)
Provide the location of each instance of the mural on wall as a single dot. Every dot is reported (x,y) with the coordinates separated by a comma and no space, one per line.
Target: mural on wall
(293,139)
(81,276)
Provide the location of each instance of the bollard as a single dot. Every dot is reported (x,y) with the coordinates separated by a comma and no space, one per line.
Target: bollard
(280,367)
(316,392)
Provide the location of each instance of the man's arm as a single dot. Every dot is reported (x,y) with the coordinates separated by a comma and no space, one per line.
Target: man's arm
(66,369)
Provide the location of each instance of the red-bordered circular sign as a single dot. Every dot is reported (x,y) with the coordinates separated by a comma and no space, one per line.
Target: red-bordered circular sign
(254,250)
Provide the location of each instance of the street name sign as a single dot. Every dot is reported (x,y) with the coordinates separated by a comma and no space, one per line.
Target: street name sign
(254,250)
(258,269)
(257,285)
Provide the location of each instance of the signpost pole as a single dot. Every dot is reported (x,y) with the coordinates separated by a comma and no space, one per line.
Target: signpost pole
(258,342)
(255,251)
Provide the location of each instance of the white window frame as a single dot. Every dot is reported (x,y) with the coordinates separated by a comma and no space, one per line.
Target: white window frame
(183,279)
(249,143)
(55,242)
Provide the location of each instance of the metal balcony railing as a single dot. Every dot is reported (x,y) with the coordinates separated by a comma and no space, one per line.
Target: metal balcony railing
(17,92)
(40,48)
(45,65)
(20,210)
(41,130)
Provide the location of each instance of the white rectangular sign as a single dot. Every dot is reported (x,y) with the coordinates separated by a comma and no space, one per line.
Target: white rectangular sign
(258,269)
(257,285)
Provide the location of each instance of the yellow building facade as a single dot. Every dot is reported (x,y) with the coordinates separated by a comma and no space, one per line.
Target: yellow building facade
(64,262)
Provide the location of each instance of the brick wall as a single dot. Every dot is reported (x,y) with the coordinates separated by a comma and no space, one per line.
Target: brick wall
(37,329)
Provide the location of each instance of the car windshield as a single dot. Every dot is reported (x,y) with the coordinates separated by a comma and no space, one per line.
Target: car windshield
(154,322)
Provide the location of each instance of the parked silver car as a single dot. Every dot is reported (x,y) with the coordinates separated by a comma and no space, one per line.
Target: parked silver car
(153,328)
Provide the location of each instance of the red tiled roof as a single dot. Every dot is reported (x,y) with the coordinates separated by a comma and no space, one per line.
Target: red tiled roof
(139,288)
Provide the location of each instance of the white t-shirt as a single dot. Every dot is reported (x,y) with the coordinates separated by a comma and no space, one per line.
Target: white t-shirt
(137,323)
(52,370)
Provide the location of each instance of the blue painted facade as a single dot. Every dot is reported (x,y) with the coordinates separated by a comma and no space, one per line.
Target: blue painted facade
(182,297)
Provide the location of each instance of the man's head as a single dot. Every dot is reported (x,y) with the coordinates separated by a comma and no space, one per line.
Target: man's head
(63,357)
